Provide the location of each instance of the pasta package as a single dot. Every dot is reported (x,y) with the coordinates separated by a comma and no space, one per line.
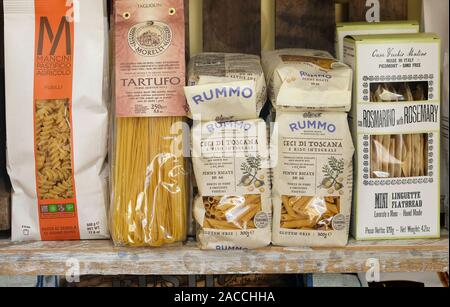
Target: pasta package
(225,86)
(150,182)
(396,125)
(231,165)
(312,154)
(344,29)
(57,119)
(307,80)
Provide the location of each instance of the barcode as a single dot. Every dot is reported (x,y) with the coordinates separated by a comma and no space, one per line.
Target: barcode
(381,201)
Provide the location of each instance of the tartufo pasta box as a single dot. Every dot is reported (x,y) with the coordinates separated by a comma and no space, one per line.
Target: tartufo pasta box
(57,119)
(396,125)
(150,192)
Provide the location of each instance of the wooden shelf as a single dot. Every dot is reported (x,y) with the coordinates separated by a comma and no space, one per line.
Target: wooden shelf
(102,258)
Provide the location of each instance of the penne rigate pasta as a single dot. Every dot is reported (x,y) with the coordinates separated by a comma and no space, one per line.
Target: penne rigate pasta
(315,213)
(231,212)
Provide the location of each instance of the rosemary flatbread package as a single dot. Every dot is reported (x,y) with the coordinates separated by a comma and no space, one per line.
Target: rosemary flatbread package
(231,165)
(312,156)
(396,125)
(57,119)
(345,29)
(307,80)
(225,86)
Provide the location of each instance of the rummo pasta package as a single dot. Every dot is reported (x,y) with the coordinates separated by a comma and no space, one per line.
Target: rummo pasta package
(150,182)
(225,86)
(396,125)
(231,165)
(307,80)
(56,59)
(312,156)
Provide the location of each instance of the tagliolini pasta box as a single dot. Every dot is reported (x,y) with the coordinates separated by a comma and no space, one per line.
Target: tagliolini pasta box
(396,124)
(231,164)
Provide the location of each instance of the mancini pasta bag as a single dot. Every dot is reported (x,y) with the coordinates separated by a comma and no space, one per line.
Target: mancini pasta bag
(307,80)
(312,184)
(149,181)
(226,86)
(231,164)
(56,118)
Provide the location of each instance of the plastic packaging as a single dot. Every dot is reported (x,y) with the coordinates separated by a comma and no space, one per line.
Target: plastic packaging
(150,182)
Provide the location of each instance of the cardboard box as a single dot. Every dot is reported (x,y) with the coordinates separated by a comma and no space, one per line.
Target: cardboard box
(345,29)
(396,129)
(435,19)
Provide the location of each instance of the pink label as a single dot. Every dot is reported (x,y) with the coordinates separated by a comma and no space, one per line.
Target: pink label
(150,64)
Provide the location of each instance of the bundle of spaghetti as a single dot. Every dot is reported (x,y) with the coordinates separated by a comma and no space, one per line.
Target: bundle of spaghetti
(149,205)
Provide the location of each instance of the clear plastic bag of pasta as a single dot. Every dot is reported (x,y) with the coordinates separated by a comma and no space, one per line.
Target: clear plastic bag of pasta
(149,179)
(149,182)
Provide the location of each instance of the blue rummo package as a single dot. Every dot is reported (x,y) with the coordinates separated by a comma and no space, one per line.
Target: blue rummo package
(224,86)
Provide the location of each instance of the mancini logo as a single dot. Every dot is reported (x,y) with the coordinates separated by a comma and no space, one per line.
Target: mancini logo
(150,39)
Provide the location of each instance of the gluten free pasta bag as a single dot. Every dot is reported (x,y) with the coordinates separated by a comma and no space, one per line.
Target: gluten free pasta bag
(225,86)
(57,119)
(231,165)
(312,184)
(305,80)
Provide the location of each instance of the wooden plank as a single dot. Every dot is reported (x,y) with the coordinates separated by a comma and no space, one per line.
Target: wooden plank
(305,24)
(186,23)
(5,205)
(389,10)
(232,26)
(101,258)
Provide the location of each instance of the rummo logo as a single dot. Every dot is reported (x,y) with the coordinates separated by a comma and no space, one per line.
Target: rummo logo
(239,125)
(150,39)
(245,92)
(313,125)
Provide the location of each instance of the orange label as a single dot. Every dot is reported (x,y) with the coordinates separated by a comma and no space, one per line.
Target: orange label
(53,77)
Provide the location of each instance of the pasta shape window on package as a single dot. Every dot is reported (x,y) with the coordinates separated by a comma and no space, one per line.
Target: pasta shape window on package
(309,213)
(231,212)
(53,150)
(399,156)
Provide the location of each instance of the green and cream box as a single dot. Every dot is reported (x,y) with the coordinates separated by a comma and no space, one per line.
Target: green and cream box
(396,129)
(345,29)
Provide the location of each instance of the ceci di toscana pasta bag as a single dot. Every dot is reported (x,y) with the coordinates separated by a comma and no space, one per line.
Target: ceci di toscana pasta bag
(307,80)
(149,179)
(225,86)
(57,118)
(312,158)
(231,163)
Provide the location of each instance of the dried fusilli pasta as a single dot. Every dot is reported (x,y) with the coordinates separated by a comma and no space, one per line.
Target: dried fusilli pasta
(53,149)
